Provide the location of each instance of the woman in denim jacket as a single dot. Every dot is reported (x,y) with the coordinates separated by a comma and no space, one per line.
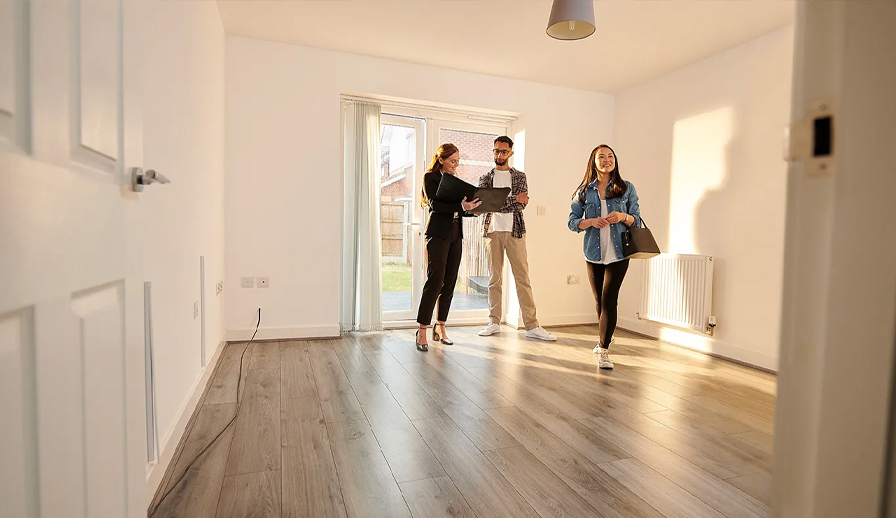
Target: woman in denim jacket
(603,207)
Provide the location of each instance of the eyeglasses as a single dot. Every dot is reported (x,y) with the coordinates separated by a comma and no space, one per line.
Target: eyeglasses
(502,152)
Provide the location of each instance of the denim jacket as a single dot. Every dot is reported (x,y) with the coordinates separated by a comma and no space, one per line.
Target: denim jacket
(627,203)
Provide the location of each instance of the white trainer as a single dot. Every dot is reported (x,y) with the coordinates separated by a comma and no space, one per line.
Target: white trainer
(490,329)
(597,347)
(603,358)
(541,333)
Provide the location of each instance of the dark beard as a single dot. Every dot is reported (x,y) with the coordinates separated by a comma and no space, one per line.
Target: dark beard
(500,163)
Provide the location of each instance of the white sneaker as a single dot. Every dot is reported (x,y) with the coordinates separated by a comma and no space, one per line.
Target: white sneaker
(603,358)
(541,334)
(490,329)
(597,347)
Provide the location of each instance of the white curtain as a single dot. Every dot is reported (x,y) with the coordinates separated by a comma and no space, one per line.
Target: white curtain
(362,258)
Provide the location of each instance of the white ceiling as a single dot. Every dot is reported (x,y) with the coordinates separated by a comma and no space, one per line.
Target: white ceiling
(636,40)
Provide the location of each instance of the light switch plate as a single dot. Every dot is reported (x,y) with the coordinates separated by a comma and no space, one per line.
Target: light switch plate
(247,282)
(264,282)
(541,210)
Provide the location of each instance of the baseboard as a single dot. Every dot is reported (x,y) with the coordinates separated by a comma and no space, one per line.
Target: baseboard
(283,333)
(453,322)
(558,321)
(169,445)
(704,344)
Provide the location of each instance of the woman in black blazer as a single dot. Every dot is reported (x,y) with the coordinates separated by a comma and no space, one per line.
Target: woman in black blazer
(444,233)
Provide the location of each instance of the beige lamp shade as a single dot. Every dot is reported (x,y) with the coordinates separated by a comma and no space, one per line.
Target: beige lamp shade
(571,19)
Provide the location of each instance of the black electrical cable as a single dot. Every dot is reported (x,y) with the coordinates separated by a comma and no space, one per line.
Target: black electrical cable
(239,402)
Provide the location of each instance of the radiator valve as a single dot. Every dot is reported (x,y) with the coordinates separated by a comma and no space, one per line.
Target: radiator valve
(711,325)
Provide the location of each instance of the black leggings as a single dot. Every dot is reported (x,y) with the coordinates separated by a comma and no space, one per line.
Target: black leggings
(442,262)
(606,280)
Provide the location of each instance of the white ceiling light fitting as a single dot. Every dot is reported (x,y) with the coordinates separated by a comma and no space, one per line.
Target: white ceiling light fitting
(571,19)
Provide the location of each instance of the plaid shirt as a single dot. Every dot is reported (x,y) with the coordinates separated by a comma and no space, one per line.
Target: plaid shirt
(518,184)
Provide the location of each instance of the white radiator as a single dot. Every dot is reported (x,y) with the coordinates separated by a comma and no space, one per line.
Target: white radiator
(676,290)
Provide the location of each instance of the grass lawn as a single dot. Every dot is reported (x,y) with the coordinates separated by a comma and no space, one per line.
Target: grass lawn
(396,277)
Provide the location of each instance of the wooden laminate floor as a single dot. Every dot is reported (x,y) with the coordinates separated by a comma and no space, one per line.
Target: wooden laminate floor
(366,426)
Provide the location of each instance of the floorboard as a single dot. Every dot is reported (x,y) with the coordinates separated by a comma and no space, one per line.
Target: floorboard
(251,495)
(435,498)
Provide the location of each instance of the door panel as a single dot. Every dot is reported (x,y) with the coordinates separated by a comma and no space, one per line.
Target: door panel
(403,149)
(18,471)
(99,316)
(81,404)
(14,50)
(475,142)
(97,85)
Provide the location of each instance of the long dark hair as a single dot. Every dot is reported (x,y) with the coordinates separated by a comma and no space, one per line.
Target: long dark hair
(619,186)
(444,151)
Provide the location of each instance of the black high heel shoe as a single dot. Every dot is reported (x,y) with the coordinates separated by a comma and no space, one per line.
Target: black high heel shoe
(420,347)
(438,338)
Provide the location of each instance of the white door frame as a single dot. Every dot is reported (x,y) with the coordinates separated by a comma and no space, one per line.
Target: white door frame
(832,431)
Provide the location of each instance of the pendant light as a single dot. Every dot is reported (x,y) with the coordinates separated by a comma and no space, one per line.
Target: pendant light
(571,19)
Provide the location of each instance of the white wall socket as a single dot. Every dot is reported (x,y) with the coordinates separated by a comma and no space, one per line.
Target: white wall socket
(247,282)
(264,282)
(572,279)
(541,210)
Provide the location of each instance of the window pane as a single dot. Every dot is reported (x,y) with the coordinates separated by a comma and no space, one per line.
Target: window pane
(397,147)
(476,159)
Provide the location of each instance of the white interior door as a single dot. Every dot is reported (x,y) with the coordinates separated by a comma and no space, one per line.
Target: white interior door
(403,146)
(71,436)
(475,142)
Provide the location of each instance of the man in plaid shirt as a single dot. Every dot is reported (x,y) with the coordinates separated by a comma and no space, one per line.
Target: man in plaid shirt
(505,232)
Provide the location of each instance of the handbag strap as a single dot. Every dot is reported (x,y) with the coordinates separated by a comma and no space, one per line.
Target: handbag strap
(643,224)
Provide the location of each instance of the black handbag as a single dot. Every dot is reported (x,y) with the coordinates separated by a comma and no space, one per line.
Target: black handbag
(638,243)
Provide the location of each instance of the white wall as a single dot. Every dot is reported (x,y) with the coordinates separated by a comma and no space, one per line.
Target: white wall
(284,176)
(703,145)
(184,140)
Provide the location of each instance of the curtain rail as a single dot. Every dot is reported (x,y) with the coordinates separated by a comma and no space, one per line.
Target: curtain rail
(472,115)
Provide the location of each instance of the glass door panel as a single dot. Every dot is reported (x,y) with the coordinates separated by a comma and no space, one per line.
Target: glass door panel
(475,143)
(402,157)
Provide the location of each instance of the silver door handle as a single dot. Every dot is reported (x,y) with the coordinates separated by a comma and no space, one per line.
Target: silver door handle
(411,224)
(140,178)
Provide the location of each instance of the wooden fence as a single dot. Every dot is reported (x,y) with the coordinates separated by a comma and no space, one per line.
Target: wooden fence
(396,244)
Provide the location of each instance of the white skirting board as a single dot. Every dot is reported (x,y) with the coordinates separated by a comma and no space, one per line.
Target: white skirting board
(700,343)
(550,321)
(156,472)
(283,333)
(458,322)
(558,320)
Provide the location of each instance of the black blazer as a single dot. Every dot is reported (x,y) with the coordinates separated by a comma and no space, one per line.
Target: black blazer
(441,214)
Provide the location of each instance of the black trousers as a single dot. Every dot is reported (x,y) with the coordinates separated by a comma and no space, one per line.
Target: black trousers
(442,262)
(606,280)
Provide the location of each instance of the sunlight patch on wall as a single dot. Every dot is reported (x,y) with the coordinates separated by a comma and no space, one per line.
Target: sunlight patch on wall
(699,155)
